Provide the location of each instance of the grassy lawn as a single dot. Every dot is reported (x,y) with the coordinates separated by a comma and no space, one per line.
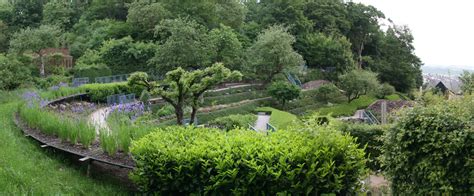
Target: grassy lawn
(347,109)
(279,119)
(25,168)
(394,97)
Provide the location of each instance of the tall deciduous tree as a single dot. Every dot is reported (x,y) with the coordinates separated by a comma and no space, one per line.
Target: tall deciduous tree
(229,49)
(364,25)
(35,40)
(60,13)
(397,64)
(467,79)
(272,53)
(321,51)
(27,13)
(186,44)
(144,16)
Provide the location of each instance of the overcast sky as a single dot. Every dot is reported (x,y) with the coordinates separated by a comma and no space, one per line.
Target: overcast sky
(443,29)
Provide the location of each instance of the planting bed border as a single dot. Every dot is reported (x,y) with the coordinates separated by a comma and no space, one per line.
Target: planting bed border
(59,100)
(88,156)
(77,150)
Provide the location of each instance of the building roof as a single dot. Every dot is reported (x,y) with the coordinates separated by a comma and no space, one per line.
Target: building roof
(450,83)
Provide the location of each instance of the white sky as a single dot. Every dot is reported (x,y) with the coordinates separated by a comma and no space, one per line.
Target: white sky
(443,29)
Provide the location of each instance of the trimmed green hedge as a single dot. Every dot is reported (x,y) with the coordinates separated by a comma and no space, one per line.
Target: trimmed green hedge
(370,137)
(202,161)
(430,150)
(233,98)
(231,91)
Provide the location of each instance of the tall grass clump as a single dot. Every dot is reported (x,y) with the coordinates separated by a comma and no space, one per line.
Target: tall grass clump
(122,128)
(36,116)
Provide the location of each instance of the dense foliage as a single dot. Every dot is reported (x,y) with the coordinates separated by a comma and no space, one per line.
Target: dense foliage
(184,160)
(284,91)
(357,83)
(369,137)
(430,149)
(259,38)
(326,93)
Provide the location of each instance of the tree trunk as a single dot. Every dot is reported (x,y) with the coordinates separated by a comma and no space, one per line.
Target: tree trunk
(193,115)
(179,114)
(359,63)
(42,73)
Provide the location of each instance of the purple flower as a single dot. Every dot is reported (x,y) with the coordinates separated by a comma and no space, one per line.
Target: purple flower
(33,99)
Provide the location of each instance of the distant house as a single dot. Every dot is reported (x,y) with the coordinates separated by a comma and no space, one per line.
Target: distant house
(56,57)
(449,89)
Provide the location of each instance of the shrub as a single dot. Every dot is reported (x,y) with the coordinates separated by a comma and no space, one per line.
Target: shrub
(92,71)
(12,73)
(188,160)
(284,91)
(358,82)
(327,93)
(370,137)
(385,90)
(233,121)
(99,92)
(430,149)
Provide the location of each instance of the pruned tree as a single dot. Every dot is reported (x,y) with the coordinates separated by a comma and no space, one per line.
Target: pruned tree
(186,87)
(203,80)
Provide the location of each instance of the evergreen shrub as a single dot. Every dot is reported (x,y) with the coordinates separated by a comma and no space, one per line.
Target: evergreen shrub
(189,160)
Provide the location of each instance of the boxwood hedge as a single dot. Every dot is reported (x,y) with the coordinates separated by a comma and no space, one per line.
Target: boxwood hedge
(187,160)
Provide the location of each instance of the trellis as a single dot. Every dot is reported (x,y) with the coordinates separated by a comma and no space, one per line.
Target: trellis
(111,79)
(120,99)
(76,82)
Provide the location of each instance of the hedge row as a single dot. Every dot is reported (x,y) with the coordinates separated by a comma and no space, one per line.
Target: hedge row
(233,98)
(370,137)
(97,92)
(430,150)
(230,91)
(187,160)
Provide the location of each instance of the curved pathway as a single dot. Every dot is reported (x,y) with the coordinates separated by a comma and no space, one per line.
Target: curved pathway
(99,119)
